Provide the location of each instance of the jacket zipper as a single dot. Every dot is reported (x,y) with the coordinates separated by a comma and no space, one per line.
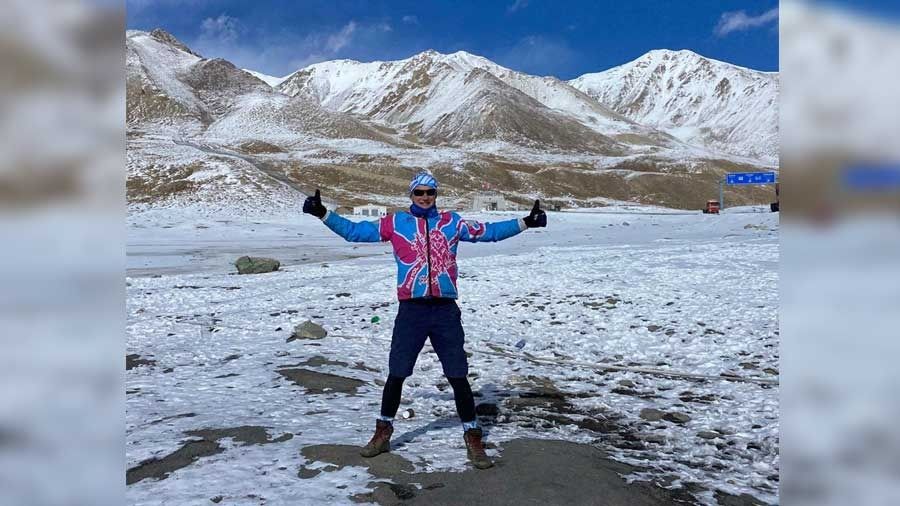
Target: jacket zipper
(428,249)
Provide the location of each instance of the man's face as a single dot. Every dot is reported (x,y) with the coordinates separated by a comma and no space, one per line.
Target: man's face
(424,201)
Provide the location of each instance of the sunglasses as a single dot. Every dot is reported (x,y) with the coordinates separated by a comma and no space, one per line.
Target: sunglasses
(431,192)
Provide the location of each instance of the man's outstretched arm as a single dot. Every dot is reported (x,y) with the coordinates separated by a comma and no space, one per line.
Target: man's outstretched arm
(364,231)
(474,231)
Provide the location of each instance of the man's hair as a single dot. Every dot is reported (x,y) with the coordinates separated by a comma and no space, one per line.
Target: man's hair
(423,178)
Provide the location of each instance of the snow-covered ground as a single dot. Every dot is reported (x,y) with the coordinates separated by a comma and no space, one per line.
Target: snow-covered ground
(682,292)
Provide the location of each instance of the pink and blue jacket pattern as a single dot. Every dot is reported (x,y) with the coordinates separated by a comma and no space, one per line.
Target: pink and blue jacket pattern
(424,248)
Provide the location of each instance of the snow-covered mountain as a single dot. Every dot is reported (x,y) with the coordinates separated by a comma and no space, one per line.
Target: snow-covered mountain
(202,128)
(169,83)
(699,100)
(463,97)
(270,80)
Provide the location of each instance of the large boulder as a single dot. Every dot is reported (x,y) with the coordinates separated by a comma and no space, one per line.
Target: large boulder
(256,265)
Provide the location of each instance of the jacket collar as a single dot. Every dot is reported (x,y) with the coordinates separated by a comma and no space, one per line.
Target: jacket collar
(418,212)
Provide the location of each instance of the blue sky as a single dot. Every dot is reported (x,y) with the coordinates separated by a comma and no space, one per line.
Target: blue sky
(541,37)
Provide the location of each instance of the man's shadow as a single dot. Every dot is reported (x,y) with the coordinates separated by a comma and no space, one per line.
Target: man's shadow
(487,393)
(409,436)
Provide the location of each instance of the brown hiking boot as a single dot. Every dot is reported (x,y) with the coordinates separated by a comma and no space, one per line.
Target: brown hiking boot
(475,449)
(380,442)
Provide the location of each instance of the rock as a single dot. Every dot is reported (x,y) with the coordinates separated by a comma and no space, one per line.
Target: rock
(217,499)
(256,265)
(688,396)
(653,438)
(651,415)
(487,409)
(305,473)
(708,434)
(308,330)
(403,492)
(676,417)
(653,328)
(769,370)
(626,383)
(134,360)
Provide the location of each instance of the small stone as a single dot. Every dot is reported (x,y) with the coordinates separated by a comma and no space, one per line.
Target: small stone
(653,328)
(654,438)
(306,473)
(708,434)
(626,383)
(403,492)
(676,417)
(217,499)
(308,330)
(769,370)
(651,415)
(487,409)
(256,265)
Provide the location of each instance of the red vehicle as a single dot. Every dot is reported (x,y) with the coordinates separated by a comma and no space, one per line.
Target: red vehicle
(712,207)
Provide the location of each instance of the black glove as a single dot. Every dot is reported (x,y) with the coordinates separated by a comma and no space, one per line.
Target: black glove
(537,218)
(313,206)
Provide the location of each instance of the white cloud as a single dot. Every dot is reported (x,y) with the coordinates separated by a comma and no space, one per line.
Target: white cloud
(341,39)
(224,29)
(736,21)
(411,20)
(517,5)
(278,53)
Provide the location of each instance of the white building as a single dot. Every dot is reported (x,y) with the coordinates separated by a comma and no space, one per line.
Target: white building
(491,201)
(370,210)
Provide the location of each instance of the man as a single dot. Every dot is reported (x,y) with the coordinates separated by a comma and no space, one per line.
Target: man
(425,242)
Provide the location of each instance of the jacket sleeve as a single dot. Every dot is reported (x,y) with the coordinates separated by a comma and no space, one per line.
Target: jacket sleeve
(475,231)
(363,231)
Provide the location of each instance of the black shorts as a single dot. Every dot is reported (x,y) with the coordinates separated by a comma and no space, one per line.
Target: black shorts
(437,319)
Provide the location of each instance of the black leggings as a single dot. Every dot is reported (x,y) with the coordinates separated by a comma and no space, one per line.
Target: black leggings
(462,395)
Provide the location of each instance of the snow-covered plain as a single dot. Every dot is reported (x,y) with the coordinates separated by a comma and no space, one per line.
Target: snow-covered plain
(631,286)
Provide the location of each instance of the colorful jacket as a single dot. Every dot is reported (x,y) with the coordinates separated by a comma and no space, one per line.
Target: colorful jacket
(424,248)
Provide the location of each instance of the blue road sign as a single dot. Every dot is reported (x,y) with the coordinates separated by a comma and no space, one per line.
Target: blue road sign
(750,178)
(871,177)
